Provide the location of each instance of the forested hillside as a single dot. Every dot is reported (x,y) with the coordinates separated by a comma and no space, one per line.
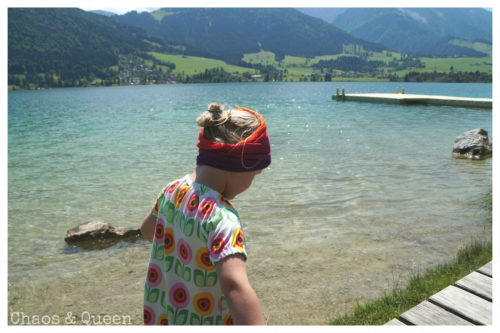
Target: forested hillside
(229,33)
(68,43)
(71,47)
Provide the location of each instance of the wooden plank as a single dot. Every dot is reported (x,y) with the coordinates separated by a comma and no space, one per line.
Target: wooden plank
(478,284)
(395,322)
(427,313)
(487,269)
(464,304)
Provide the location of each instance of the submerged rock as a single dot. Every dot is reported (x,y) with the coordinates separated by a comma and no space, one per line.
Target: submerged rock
(473,144)
(100,234)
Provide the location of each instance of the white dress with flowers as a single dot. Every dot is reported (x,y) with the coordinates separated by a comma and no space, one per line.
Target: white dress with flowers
(195,228)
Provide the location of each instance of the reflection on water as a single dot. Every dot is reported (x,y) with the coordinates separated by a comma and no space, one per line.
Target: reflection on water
(357,196)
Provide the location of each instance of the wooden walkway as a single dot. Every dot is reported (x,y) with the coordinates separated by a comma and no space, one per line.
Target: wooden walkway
(467,302)
(398,98)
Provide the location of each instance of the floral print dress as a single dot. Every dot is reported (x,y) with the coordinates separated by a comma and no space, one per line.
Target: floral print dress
(195,228)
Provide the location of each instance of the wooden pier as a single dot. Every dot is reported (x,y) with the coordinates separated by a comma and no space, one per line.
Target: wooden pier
(467,302)
(409,99)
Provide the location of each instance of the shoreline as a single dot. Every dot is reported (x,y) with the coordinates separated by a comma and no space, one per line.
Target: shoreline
(16,88)
(421,285)
(366,80)
(108,308)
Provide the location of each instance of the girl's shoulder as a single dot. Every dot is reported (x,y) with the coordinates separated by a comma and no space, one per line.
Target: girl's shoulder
(173,185)
(205,200)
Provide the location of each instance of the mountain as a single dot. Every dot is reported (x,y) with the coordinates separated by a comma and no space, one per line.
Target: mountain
(69,46)
(60,46)
(422,31)
(229,33)
(69,41)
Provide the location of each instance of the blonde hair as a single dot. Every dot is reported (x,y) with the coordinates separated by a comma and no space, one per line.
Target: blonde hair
(227,126)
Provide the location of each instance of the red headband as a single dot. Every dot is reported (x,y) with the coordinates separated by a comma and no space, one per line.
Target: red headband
(253,153)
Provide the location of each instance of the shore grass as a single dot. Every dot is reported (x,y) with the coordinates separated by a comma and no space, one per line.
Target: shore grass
(420,287)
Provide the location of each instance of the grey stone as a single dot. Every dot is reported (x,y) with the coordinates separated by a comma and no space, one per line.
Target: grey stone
(473,144)
(100,234)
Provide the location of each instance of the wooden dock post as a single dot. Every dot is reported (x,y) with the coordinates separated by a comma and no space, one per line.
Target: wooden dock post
(397,90)
(403,90)
(340,96)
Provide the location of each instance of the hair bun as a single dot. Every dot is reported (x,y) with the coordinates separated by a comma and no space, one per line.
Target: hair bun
(211,117)
(214,108)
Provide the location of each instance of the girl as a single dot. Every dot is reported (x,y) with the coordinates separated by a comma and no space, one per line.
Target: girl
(197,272)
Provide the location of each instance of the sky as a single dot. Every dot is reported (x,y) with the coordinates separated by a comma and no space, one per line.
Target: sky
(126,9)
(124,6)
(120,10)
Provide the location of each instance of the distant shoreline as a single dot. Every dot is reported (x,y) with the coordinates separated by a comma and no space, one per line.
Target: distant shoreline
(17,88)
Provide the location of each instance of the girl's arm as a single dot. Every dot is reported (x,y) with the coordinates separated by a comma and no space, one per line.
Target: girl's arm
(148,227)
(240,297)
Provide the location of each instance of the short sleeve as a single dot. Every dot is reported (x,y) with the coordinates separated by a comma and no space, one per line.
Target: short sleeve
(154,210)
(225,235)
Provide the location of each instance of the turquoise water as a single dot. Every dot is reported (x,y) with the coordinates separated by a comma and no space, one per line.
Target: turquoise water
(357,195)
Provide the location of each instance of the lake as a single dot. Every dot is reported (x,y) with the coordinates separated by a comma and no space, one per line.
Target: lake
(358,195)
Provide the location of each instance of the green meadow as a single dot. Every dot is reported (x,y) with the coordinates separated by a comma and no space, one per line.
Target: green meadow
(300,68)
(470,64)
(193,65)
(459,64)
(445,65)
(478,46)
(263,57)
(268,58)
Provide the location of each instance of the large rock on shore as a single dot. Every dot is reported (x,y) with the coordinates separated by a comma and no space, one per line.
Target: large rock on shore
(99,234)
(473,144)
